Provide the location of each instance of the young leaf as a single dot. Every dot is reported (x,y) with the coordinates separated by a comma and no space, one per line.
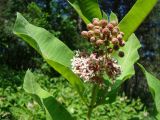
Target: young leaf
(87,9)
(136,16)
(154,87)
(54,110)
(113,16)
(56,53)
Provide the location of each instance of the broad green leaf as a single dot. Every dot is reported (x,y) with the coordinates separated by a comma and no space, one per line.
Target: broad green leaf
(87,9)
(136,16)
(154,87)
(54,110)
(56,53)
(131,56)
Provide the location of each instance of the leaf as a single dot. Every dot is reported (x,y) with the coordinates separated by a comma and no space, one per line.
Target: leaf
(104,16)
(131,57)
(54,110)
(127,66)
(113,16)
(136,16)
(56,53)
(154,87)
(87,9)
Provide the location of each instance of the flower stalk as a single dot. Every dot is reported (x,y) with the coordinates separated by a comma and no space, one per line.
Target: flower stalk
(93,101)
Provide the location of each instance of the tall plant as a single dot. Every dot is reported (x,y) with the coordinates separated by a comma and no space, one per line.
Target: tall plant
(109,63)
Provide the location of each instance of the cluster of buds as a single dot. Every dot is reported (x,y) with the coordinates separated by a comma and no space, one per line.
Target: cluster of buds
(105,37)
(104,34)
(92,67)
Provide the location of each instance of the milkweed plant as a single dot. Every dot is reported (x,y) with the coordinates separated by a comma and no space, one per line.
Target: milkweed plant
(114,51)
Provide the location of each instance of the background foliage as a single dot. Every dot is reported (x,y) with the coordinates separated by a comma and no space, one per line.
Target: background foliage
(60,19)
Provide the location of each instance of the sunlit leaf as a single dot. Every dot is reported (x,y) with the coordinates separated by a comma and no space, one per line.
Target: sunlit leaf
(131,56)
(136,16)
(54,110)
(127,66)
(56,53)
(154,87)
(87,9)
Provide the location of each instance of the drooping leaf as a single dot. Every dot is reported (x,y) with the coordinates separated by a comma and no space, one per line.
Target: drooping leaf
(54,110)
(87,9)
(136,16)
(154,87)
(56,53)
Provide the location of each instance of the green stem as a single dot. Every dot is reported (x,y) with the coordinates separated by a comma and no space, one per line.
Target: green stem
(93,101)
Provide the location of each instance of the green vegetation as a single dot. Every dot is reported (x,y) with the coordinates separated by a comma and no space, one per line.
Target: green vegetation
(41,92)
(17,104)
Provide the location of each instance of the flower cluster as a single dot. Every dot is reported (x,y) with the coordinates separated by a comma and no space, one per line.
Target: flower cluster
(92,67)
(106,38)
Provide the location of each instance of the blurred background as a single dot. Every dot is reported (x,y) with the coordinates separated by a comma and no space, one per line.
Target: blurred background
(59,18)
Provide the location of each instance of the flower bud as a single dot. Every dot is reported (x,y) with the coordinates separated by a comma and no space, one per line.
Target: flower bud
(99,42)
(110,26)
(102,36)
(90,26)
(115,31)
(93,39)
(110,50)
(96,22)
(103,22)
(119,37)
(90,33)
(121,54)
(105,31)
(116,47)
(115,41)
(84,34)
(96,27)
(114,23)
(122,33)
(97,32)
(122,43)
(95,19)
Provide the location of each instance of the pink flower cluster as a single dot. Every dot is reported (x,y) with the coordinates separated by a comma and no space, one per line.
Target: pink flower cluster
(92,67)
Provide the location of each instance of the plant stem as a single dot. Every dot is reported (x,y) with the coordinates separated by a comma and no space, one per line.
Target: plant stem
(93,100)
